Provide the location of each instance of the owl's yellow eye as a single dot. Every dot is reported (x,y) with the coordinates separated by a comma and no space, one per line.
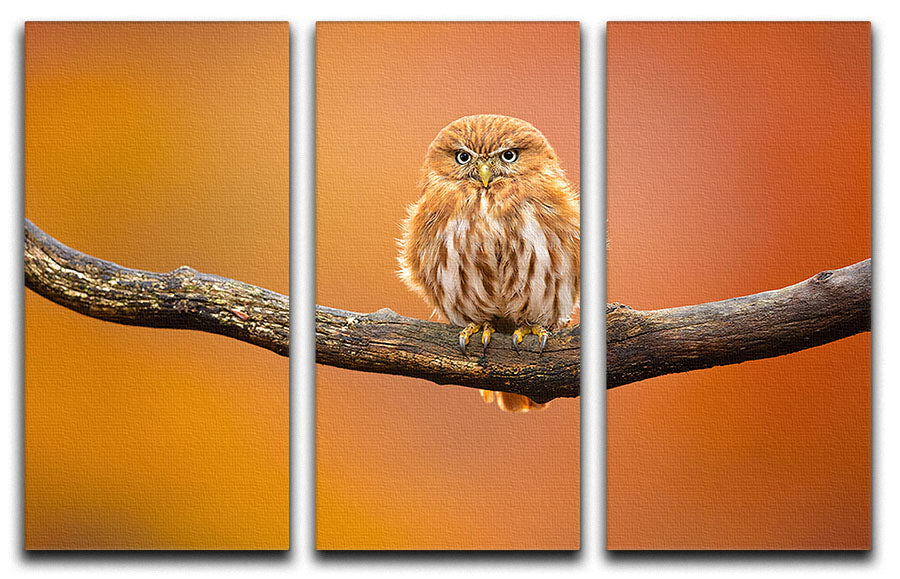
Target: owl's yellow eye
(462,157)
(509,156)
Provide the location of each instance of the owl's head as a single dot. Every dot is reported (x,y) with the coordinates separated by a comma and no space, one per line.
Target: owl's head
(489,151)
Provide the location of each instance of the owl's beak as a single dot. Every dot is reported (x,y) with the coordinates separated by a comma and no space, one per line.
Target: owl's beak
(484,171)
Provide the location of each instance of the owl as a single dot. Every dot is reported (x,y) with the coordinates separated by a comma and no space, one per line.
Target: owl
(493,241)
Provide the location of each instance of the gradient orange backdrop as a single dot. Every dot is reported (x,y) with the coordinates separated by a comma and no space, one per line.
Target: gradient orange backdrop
(738,162)
(156,145)
(403,463)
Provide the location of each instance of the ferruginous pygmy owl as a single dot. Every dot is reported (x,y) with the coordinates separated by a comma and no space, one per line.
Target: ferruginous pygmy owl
(493,242)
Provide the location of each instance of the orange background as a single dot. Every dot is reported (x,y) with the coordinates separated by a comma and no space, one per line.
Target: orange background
(738,162)
(403,463)
(156,145)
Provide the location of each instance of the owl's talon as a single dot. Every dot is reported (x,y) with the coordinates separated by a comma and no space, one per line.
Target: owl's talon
(523,331)
(486,337)
(518,336)
(464,336)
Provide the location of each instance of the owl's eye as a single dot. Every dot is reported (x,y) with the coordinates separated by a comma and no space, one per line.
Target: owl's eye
(510,155)
(463,157)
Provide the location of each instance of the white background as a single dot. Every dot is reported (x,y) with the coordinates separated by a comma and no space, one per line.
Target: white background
(592,560)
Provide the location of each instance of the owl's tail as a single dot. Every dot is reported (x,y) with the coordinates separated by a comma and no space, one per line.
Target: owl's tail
(509,402)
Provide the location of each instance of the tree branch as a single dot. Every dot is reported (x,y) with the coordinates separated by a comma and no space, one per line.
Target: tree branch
(640,344)
(182,299)
(389,343)
(826,307)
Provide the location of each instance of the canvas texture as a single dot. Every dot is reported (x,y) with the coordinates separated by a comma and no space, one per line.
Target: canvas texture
(738,161)
(156,145)
(403,463)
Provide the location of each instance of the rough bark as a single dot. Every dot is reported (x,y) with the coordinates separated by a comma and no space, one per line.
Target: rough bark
(182,298)
(640,344)
(829,306)
(389,343)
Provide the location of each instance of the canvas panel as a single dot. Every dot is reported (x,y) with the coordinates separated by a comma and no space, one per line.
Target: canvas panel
(738,161)
(156,145)
(401,462)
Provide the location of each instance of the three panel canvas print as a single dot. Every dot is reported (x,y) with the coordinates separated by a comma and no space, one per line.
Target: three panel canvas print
(448,262)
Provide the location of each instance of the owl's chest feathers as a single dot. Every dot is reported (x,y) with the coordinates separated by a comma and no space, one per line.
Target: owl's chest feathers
(498,261)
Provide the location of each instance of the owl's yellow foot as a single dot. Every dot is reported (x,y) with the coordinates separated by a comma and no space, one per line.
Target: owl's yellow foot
(523,331)
(465,335)
(486,330)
